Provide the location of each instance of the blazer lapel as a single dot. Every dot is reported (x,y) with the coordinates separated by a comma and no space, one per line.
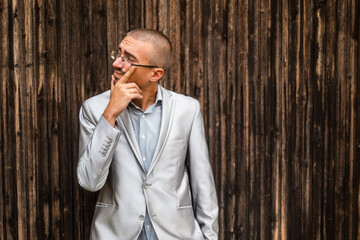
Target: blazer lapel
(130,135)
(168,106)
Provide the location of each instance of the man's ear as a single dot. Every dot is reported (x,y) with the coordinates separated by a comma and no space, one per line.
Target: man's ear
(157,74)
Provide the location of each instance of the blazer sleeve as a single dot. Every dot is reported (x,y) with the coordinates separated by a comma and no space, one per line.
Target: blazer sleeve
(202,180)
(97,143)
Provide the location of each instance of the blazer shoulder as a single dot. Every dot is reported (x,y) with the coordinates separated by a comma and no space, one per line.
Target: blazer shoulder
(185,105)
(100,99)
(183,99)
(96,105)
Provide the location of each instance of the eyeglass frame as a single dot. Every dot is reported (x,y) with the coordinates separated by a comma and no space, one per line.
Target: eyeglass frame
(115,55)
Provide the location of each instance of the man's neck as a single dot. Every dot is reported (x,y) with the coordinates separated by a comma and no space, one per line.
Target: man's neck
(149,97)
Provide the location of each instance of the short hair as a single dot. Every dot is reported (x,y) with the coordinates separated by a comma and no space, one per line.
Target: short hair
(161,55)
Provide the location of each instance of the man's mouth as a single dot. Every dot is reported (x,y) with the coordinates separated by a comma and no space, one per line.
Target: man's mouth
(118,73)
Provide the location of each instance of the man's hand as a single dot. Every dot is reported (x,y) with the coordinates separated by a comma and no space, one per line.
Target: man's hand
(121,94)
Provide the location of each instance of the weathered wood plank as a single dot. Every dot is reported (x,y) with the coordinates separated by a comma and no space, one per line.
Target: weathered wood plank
(99,54)
(219,86)
(7,168)
(112,33)
(42,90)
(66,174)
(265,120)
(243,116)
(52,77)
(254,120)
(282,120)
(169,23)
(20,159)
(151,14)
(277,76)
(328,106)
(186,47)
(307,65)
(30,123)
(74,99)
(135,15)
(352,44)
(340,126)
(196,65)
(231,128)
(318,151)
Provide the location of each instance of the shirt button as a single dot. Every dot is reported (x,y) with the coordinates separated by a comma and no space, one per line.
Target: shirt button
(146,185)
(144,158)
(142,217)
(143,116)
(143,136)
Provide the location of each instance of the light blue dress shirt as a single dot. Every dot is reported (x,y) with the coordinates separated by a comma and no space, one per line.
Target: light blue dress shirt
(147,129)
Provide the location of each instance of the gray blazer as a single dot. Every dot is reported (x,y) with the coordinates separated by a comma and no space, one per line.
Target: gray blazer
(178,189)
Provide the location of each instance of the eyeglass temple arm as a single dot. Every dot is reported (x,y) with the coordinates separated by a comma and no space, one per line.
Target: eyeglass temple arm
(138,65)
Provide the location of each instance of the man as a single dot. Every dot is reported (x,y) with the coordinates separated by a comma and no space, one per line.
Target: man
(144,148)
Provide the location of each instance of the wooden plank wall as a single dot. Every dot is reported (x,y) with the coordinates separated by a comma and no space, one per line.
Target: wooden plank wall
(279,88)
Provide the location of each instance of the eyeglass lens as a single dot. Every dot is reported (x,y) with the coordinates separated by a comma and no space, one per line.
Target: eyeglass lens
(114,55)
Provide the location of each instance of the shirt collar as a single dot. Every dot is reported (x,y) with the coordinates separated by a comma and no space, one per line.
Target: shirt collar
(159,97)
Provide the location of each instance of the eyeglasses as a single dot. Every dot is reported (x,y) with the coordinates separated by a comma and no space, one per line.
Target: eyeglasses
(115,55)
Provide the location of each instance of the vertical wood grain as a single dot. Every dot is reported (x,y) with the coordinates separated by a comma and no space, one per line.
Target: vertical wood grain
(230,141)
(329,110)
(8,199)
(42,90)
(30,126)
(350,202)
(243,122)
(20,117)
(75,203)
(307,64)
(340,127)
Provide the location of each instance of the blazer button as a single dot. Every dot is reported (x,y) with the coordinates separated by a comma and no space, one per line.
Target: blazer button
(142,217)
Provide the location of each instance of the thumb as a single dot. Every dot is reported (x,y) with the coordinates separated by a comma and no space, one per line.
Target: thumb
(112,83)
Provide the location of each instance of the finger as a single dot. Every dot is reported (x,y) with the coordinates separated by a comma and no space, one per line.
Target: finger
(135,96)
(133,85)
(133,91)
(127,75)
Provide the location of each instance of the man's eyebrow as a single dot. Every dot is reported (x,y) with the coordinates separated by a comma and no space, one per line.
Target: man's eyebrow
(128,54)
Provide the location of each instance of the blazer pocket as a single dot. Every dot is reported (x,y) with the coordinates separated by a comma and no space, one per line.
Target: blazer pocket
(176,140)
(185,207)
(106,205)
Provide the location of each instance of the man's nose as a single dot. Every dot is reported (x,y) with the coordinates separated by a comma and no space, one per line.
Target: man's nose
(118,63)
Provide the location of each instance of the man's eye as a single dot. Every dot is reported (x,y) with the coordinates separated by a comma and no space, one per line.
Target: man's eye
(130,60)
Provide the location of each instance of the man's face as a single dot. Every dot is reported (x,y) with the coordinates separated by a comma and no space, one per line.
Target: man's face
(136,52)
